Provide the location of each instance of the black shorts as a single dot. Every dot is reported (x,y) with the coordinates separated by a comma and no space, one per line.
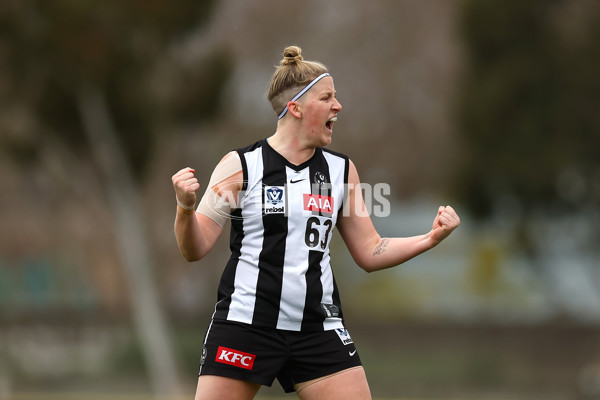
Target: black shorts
(255,354)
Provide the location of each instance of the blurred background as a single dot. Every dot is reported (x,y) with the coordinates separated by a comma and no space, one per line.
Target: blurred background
(493,107)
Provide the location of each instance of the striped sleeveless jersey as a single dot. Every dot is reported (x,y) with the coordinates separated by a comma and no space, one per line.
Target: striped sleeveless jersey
(279,275)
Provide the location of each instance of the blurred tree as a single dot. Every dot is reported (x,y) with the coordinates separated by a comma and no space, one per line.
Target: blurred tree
(83,72)
(530,122)
(529,104)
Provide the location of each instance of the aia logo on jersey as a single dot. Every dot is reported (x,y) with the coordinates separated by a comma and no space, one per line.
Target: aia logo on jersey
(318,203)
(274,200)
(235,357)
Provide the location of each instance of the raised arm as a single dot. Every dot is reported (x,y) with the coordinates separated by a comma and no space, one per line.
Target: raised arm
(197,231)
(372,252)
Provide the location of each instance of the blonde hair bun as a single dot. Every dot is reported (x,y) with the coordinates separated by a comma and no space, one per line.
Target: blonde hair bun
(291,55)
(293,73)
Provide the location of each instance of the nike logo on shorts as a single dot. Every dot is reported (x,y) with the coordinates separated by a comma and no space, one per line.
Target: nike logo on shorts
(351,353)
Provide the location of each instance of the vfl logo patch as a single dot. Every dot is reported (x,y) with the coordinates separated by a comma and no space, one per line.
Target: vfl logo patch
(315,202)
(274,200)
(344,336)
(235,357)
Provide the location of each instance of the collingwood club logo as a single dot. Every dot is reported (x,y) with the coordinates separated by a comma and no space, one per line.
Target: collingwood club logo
(274,200)
(203,358)
(319,179)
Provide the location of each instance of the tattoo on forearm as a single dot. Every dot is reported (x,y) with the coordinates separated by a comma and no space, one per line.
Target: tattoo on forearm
(381,246)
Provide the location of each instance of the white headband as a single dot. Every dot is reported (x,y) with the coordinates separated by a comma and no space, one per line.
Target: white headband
(296,97)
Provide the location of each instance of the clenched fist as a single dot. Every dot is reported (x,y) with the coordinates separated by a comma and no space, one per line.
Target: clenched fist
(186,185)
(445,222)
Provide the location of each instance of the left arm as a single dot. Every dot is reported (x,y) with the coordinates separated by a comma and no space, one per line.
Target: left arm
(372,252)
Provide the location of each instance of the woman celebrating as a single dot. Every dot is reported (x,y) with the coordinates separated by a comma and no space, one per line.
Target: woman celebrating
(278,313)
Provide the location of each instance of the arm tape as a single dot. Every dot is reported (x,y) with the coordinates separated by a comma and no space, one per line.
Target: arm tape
(216,203)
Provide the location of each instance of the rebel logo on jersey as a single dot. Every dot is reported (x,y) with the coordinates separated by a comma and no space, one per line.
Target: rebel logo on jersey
(235,357)
(274,200)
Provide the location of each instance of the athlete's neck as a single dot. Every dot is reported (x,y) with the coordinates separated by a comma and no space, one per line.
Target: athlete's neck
(290,147)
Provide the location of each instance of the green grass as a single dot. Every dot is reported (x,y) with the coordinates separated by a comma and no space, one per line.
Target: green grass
(113,396)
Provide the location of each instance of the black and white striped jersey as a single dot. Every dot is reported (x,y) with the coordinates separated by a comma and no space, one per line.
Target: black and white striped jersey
(279,275)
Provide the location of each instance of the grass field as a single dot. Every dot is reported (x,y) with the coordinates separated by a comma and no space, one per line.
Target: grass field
(88,396)
(84,396)
(402,362)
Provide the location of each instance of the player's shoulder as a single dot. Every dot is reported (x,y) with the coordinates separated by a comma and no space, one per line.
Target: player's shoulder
(335,153)
(249,148)
(229,164)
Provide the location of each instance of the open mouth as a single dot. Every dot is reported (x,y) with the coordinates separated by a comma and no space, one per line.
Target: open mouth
(329,124)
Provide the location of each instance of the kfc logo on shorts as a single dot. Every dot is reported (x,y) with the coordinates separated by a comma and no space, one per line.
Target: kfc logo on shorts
(235,357)
(315,202)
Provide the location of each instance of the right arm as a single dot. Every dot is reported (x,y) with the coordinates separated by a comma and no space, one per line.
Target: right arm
(197,231)
(196,234)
